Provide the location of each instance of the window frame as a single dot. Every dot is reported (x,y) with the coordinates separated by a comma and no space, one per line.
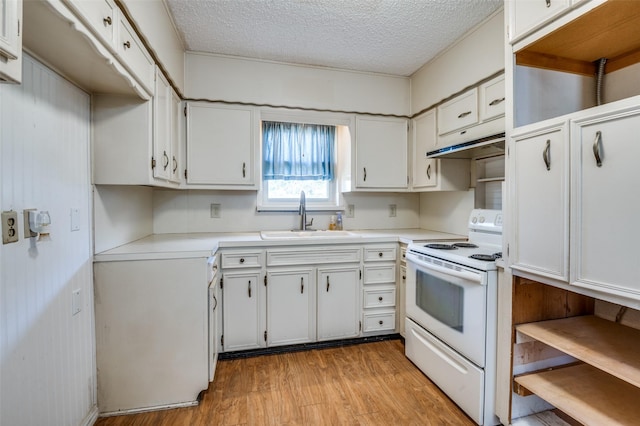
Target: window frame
(336,200)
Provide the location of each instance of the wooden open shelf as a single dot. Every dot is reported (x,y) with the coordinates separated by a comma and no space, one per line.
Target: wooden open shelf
(587,394)
(611,30)
(606,345)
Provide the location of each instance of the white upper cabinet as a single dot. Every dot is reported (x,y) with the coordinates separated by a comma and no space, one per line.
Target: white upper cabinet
(100,15)
(492,99)
(166,131)
(222,146)
(541,202)
(381,153)
(605,202)
(458,113)
(432,174)
(528,15)
(11,41)
(134,55)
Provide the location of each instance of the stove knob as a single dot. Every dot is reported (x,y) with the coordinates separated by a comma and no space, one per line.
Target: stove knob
(481,219)
(474,220)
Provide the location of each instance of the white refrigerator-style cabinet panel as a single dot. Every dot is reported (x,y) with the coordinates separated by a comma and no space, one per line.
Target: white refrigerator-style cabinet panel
(541,202)
(11,40)
(381,153)
(222,144)
(290,307)
(338,303)
(243,304)
(605,203)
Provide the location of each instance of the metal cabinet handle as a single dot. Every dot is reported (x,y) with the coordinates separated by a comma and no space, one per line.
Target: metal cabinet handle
(380,254)
(404,277)
(597,148)
(127,44)
(380,322)
(365,174)
(328,283)
(215,299)
(548,3)
(301,285)
(166,160)
(244,169)
(464,114)
(546,154)
(175,164)
(107,20)
(242,260)
(429,172)
(249,288)
(496,102)
(380,298)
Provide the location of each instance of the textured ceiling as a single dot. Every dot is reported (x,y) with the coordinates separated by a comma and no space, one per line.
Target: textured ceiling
(384,36)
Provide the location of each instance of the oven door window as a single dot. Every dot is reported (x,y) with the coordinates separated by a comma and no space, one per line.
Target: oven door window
(441,299)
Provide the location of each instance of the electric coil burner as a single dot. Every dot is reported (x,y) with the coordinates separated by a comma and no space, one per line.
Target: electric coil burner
(439,246)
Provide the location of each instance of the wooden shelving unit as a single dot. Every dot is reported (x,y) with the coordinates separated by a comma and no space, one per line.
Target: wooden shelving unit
(611,30)
(603,390)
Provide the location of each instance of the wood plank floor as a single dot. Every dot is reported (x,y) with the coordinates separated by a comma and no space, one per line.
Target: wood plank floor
(366,384)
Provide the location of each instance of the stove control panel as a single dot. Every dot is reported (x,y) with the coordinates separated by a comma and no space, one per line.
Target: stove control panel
(486,220)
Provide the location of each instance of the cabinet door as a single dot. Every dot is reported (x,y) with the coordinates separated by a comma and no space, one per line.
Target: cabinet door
(221,144)
(162,121)
(10,41)
(424,140)
(381,153)
(527,15)
(605,204)
(458,113)
(338,303)
(176,138)
(541,203)
(243,313)
(290,307)
(492,99)
(134,55)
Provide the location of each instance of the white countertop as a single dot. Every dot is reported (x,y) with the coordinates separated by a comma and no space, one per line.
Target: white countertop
(174,246)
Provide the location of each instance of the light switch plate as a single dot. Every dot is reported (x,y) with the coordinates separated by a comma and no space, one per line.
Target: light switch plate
(216,210)
(10,227)
(392,210)
(76,302)
(75,219)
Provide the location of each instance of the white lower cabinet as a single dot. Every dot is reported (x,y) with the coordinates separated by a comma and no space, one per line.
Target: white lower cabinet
(338,302)
(379,289)
(243,310)
(605,203)
(290,307)
(540,182)
(152,334)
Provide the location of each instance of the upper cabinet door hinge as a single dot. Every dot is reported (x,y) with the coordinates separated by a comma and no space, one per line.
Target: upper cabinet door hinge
(360,273)
(265,280)
(222,282)
(19,22)
(185,173)
(153,163)
(185,110)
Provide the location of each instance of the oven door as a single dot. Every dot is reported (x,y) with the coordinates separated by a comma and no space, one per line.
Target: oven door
(449,301)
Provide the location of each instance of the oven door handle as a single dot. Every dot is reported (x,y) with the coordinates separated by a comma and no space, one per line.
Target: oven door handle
(466,275)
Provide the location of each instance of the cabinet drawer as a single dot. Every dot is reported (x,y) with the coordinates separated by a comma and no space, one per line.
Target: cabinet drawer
(379,274)
(527,16)
(386,253)
(380,298)
(403,255)
(458,113)
(314,256)
(492,99)
(381,321)
(241,260)
(134,55)
(100,15)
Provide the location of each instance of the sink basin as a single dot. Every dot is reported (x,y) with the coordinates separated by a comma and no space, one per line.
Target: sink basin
(296,234)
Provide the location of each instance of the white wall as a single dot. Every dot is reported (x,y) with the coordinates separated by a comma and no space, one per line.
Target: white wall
(446,211)
(478,55)
(234,79)
(189,211)
(48,372)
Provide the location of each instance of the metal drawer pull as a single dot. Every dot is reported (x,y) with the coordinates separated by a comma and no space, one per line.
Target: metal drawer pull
(380,298)
(327,282)
(597,148)
(496,102)
(175,164)
(464,114)
(242,260)
(301,285)
(380,322)
(548,3)
(107,20)
(429,171)
(127,44)
(166,160)
(249,288)
(365,174)
(380,254)
(546,154)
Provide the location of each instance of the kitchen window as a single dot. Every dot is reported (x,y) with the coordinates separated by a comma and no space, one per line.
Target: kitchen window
(301,155)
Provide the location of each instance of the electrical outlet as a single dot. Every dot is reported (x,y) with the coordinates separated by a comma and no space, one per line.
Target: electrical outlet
(392,210)
(351,211)
(10,227)
(216,210)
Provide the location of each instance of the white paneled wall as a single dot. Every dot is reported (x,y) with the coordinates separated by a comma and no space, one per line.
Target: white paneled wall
(446,211)
(48,373)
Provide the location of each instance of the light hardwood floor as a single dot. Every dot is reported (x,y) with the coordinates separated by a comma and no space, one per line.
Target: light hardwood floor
(366,384)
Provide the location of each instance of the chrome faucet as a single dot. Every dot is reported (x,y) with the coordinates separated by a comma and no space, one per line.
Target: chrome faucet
(302,210)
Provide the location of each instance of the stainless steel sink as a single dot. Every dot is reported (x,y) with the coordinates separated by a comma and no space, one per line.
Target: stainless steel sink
(297,234)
